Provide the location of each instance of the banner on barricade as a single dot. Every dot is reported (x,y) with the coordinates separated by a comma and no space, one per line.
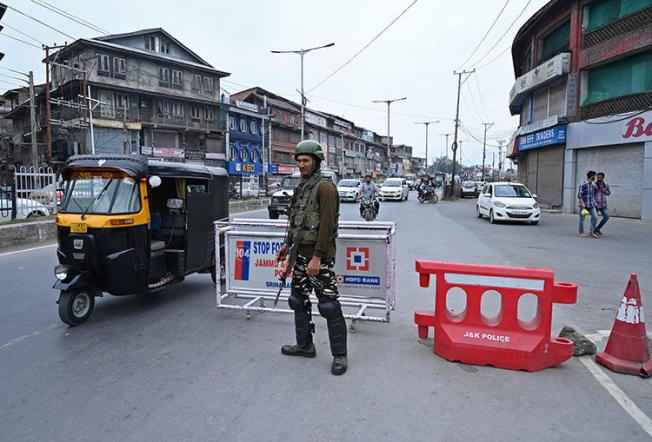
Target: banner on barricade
(360,265)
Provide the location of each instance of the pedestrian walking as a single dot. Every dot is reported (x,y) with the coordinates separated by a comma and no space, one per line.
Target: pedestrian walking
(601,193)
(586,198)
(310,245)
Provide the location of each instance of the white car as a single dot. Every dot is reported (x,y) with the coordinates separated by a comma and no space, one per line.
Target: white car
(394,189)
(25,208)
(506,201)
(349,190)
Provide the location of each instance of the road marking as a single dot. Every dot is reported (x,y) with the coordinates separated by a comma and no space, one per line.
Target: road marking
(22,338)
(619,395)
(27,250)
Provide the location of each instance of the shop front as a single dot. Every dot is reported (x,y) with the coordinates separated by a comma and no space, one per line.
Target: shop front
(621,147)
(541,163)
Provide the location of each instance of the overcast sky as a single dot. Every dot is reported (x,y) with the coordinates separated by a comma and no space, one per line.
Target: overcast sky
(414,58)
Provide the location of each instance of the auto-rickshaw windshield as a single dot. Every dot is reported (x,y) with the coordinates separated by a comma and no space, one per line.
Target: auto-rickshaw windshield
(105,194)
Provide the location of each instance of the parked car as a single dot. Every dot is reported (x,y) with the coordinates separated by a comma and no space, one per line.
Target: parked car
(394,189)
(411,182)
(349,190)
(25,208)
(506,201)
(469,188)
(48,195)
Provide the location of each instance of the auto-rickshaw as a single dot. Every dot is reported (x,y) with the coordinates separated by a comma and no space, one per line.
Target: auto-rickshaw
(128,225)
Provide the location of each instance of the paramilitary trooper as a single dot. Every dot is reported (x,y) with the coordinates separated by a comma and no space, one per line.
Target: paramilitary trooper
(310,242)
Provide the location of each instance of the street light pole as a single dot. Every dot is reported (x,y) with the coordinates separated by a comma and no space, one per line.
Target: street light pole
(426,124)
(487,126)
(301,53)
(389,103)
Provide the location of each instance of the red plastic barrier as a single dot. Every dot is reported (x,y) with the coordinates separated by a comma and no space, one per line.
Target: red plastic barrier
(503,341)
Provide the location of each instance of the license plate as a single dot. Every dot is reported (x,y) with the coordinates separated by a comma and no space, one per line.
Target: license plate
(78,228)
(519,212)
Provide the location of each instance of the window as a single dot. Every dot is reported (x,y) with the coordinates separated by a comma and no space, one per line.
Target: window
(121,104)
(164,77)
(232,123)
(196,112)
(627,76)
(103,66)
(209,113)
(243,125)
(156,44)
(196,82)
(177,79)
(208,84)
(119,68)
(177,109)
(163,109)
(601,13)
(243,154)
(555,42)
(233,153)
(255,156)
(253,127)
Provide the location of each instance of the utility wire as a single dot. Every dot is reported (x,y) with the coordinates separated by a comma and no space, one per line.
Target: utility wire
(509,28)
(19,39)
(22,33)
(486,33)
(70,16)
(41,22)
(477,85)
(500,54)
(11,83)
(10,76)
(328,77)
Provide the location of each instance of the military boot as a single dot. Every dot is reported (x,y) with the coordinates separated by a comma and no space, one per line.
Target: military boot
(339,366)
(304,346)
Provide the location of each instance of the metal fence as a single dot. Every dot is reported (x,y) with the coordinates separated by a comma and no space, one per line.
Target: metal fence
(28,193)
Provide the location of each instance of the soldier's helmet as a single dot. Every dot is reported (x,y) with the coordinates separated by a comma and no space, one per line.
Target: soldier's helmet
(309,147)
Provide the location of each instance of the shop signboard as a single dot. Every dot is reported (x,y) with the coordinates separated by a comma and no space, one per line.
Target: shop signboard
(272,169)
(243,168)
(540,75)
(285,170)
(542,138)
(368,135)
(634,127)
(162,152)
(317,120)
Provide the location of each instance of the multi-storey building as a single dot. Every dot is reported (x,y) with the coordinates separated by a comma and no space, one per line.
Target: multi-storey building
(246,135)
(148,93)
(583,91)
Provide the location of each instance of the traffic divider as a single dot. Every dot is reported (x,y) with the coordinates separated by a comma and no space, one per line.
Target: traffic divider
(507,339)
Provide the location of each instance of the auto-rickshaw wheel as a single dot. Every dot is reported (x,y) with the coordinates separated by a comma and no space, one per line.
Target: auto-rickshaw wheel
(75,307)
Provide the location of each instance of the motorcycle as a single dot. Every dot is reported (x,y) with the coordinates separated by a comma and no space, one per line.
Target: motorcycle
(428,196)
(368,210)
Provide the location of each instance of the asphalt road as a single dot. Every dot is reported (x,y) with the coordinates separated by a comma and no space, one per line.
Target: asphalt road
(170,366)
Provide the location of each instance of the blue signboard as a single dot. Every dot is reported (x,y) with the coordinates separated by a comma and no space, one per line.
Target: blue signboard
(541,138)
(244,168)
(272,169)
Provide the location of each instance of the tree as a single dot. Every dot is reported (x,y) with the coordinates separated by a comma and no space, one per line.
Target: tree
(443,164)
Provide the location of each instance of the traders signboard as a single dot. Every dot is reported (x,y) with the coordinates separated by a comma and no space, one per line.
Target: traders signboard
(542,138)
(244,168)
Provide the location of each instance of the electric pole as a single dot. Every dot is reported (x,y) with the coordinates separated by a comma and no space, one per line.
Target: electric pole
(426,124)
(501,161)
(389,102)
(493,162)
(32,118)
(301,53)
(484,145)
(451,192)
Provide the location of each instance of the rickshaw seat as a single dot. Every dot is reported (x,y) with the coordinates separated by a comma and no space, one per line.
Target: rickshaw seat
(157,245)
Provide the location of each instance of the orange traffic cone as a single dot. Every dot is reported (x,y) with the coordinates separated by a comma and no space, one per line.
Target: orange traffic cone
(627,350)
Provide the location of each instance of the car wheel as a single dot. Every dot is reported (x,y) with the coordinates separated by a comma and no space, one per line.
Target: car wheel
(477,212)
(492,220)
(75,307)
(35,214)
(407,195)
(273,215)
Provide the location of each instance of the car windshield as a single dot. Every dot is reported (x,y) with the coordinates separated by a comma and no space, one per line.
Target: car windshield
(348,183)
(103,194)
(468,184)
(511,191)
(392,183)
(290,182)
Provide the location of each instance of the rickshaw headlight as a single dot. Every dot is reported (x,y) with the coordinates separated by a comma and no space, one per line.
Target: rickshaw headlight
(61,272)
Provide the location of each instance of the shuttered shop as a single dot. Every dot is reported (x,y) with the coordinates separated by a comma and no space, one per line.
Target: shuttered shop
(623,167)
(542,171)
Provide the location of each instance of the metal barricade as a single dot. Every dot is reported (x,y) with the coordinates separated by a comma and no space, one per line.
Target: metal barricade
(28,193)
(365,267)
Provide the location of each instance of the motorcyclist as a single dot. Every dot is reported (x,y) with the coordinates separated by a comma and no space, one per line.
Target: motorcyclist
(425,186)
(369,192)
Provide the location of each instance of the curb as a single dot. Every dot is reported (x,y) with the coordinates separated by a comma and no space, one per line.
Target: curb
(17,234)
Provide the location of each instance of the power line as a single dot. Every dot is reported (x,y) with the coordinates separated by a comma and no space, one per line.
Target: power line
(496,57)
(20,40)
(41,22)
(363,48)
(11,83)
(70,16)
(477,85)
(22,33)
(506,32)
(486,33)
(10,76)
